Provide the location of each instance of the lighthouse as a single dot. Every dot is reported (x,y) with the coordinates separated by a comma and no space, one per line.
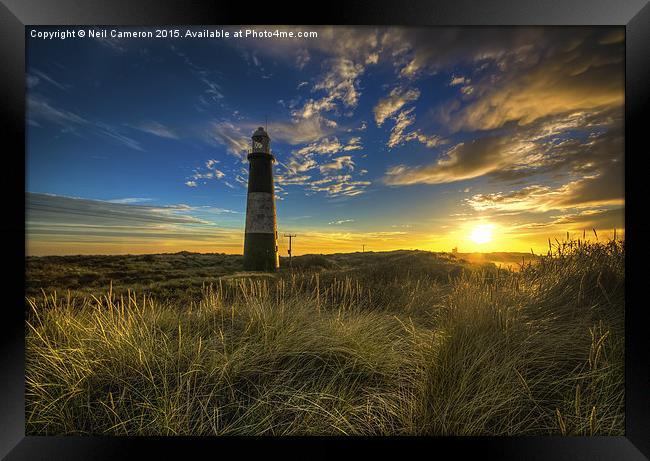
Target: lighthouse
(261,237)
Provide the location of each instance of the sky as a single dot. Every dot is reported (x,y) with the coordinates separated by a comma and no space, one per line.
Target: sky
(485,139)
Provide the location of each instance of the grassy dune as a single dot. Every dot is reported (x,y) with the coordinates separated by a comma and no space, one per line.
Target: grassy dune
(408,343)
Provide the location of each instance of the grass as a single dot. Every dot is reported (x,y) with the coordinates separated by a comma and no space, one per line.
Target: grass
(392,343)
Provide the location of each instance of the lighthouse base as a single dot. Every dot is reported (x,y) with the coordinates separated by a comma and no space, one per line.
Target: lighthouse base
(260,252)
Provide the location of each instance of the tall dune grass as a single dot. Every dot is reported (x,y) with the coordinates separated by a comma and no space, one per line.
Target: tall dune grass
(538,351)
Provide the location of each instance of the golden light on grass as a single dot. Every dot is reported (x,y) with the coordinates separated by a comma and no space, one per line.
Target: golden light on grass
(482,233)
(343,350)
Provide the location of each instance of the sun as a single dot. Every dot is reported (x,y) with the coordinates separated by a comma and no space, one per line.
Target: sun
(482,234)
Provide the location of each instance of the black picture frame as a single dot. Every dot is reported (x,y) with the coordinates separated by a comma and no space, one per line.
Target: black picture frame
(16,14)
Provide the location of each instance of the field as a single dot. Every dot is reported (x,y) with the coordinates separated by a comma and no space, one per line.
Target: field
(403,342)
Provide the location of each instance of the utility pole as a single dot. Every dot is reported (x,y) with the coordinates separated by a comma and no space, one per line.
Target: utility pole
(363,248)
(291,236)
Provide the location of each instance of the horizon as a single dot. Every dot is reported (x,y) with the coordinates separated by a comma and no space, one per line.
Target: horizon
(286,256)
(486,139)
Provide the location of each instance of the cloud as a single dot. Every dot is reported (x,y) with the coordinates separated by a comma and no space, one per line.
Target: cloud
(335,240)
(460,80)
(49,208)
(573,143)
(563,72)
(128,200)
(41,109)
(329,146)
(499,62)
(213,92)
(57,224)
(353,144)
(216,173)
(403,120)
(112,132)
(231,136)
(213,89)
(32,81)
(361,45)
(299,130)
(319,156)
(399,135)
(579,221)
(115,44)
(340,81)
(300,164)
(157,129)
(615,36)
(299,180)
(341,221)
(429,140)
(463,161)
(305,158)
(344,54)
(35,76)
(604,188)
(397,99)
(415,55)
(340,86)
(209,172)
(340,185)
(38,108)
(467,90)
(464,83)
(337,164)
(302,59)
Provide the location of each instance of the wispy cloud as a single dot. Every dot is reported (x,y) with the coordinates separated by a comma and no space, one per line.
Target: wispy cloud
(49,208)
(540,79)
(329,146)
(399,134)
(320,156)
(458,80)
(58,224)
(129,200)
(299,180)
(231,136)
(571,142)
(157,129)
(35,76)
(397,99)
(604,188)
(338,163)
(339,185)
(212,92)
(117,45)
(39,108)
(209,171)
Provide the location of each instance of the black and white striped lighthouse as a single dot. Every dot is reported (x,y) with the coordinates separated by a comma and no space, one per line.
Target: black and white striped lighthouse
(261,238)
